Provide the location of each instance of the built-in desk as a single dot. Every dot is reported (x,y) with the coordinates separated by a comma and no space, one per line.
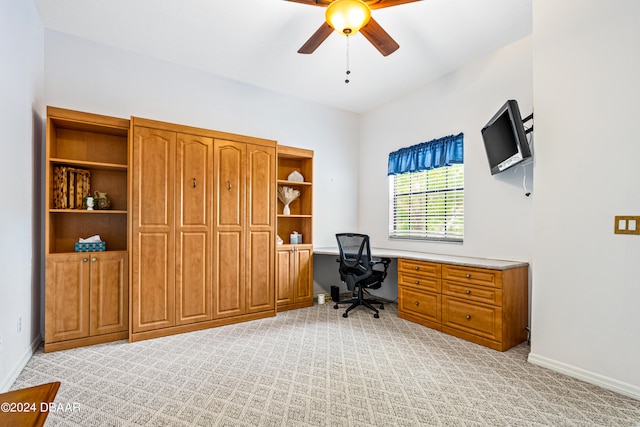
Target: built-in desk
(481,300)
(494,264)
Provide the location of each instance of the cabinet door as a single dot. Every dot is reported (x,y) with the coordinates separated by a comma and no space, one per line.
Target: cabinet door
(194,192)
(153,236)
(229,247)
(67,297)
(304,274)
(285,275)
(109,293)
(260,195)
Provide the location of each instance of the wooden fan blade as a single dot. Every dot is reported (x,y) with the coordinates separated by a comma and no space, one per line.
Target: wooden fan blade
(321,3)
(379,4)
(316,39)
(379,38)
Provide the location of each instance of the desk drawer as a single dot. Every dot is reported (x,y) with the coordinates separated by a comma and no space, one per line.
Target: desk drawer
(418,281)
(422,268)
(477,319)
(425,305)
(471,292)
(477,276)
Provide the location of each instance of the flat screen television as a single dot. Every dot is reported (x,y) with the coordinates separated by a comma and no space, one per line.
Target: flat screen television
(505,139)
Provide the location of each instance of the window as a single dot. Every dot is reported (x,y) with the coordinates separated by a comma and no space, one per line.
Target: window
(427,201)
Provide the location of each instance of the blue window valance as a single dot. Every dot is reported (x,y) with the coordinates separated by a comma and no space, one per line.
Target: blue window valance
(427,155)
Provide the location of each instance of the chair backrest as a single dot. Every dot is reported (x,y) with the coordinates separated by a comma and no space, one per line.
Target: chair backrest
(355,253)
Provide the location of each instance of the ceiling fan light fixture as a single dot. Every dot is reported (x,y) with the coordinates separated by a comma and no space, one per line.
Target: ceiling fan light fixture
(348,16)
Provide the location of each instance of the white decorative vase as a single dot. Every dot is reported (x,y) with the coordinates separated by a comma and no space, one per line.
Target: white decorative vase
(286,210)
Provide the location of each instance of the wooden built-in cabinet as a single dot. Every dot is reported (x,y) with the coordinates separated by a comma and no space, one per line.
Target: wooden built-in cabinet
(203,224)
(190,233)
(294,262)
(482,305)
(294,267)
(86,293)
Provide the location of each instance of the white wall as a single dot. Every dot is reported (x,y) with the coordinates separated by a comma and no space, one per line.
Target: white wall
(498,219)
(498,215)
(86,76)
(21,111)
(586,280)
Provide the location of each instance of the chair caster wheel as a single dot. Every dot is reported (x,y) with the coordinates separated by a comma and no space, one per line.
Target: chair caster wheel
(335,306)
(377,316)
(381,307)
(345,315)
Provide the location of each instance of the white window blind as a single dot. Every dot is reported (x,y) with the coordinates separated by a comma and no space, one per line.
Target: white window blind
(428,204)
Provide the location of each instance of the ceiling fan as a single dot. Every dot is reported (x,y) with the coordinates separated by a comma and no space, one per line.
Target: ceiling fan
(339,9)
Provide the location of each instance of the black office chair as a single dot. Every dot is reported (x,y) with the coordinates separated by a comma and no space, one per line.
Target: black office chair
(357,270)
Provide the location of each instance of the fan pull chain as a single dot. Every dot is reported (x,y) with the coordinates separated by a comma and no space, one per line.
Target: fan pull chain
(348,71)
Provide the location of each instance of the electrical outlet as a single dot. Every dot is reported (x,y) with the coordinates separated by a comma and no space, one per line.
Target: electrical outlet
(19,324)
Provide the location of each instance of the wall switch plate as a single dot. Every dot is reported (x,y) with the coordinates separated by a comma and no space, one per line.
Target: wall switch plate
(627,225)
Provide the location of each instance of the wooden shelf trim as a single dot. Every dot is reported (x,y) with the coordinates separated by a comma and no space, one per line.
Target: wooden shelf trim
(287,182)
(89,165)
(93,212)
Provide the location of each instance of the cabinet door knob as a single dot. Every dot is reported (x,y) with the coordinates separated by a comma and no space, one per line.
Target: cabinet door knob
(467,292)
(468,276)
(417,282)
(467,317)
(417,303)
(85,259)
(417,268)
(93,259)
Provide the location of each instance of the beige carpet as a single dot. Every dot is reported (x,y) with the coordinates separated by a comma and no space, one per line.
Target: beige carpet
(312,367)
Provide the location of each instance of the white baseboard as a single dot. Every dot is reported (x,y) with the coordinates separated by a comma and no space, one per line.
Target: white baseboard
(13,374)
(586,376)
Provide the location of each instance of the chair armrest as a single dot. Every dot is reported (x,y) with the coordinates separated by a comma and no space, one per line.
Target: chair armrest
(385,261)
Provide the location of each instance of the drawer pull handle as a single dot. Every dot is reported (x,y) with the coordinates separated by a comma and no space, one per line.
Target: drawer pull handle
(417,268)
(417,282)
(467,317)
(417,303)
(467,292)
(468,276)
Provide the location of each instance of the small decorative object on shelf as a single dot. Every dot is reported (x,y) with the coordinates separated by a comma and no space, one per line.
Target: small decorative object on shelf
(295,176)
(90,244)
(295,238)
(70,186)
(279,240)
(287,195)
(103,201)
(89,203)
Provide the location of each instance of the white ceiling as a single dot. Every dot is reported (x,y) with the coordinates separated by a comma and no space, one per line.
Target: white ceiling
(256,41)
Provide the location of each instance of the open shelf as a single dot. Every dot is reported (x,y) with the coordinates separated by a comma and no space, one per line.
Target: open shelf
(92,146)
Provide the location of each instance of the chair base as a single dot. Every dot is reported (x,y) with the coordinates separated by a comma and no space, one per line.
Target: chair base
(360,300)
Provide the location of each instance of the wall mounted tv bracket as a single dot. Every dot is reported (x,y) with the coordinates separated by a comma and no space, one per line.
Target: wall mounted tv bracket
(524,184)
(526,119)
